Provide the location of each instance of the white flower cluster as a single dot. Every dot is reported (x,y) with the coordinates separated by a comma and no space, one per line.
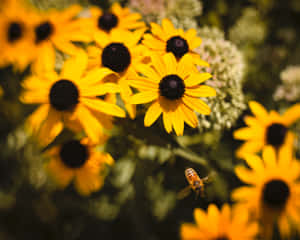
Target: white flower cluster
(227,67)
(289,90)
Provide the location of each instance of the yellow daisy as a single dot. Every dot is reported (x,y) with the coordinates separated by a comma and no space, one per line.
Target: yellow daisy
(274,191)
(79,161)
(266,129)
(57,30)
(115,18)
(120,52)
(70,98)
(224,224)
(175,87)
(16,35)
(168,39)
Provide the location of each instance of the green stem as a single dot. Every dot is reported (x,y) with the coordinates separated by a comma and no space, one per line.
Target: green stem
(191,156)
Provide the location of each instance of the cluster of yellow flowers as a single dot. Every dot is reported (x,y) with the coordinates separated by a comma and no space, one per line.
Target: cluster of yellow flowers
(112,54)
(109,56)
(273,190)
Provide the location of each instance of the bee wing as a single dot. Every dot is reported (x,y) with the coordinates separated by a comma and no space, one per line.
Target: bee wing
(184,192)
(208,178)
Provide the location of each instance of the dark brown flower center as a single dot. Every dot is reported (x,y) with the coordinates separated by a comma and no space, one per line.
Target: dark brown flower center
(43,31)
(178,46)
(222,238)
(14,32)
(275,193)
(116,56)
(172,87)
(276,134)
(107,21)
(74,154)
(64,95)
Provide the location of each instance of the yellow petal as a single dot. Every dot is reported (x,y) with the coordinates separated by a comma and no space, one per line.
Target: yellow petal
(160,64)
(143,84)
(201,91)
(104,107)
(126,91)
(87,182)
(152,114)
(269,157)
(185,68)
(96,76)
(36,119)
(131,109)
(168,27)
(292,114)
(102,39)
(198,61)
(243,194)
(157,30)
(245,133)
(66,46)
(177,122)
(252,121)
(149,72)
(258,110)
(89,123)
(190,232)
(167,121)
(249,147)
(34,96)
(201,218)
(45,60)
(51,127)
(189,116)
(153,43)
(196,104)
(213,213)
(100,89)
(74,67)
(255,163)
(60,173)
(143,97)
(246,175)
(170,63)
(196,78)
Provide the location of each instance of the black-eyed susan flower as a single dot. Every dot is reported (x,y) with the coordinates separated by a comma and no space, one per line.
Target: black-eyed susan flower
(116,17)
(120,52)
(70,98)
(58,30)
(167,39)
(175,87)
(224,224)
(16,35)
(274,189)
(81,162)
(266,129)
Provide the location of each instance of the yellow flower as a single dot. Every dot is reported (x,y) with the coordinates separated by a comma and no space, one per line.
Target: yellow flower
(70,98)
(274,191)
(168,39)
(175,89)
(120,52)
(115,18)
(57,30)
(78,161)
(226,224)
(16,35)
(266,129)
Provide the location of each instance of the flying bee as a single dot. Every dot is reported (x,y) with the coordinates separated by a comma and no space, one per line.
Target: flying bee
(195,183)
